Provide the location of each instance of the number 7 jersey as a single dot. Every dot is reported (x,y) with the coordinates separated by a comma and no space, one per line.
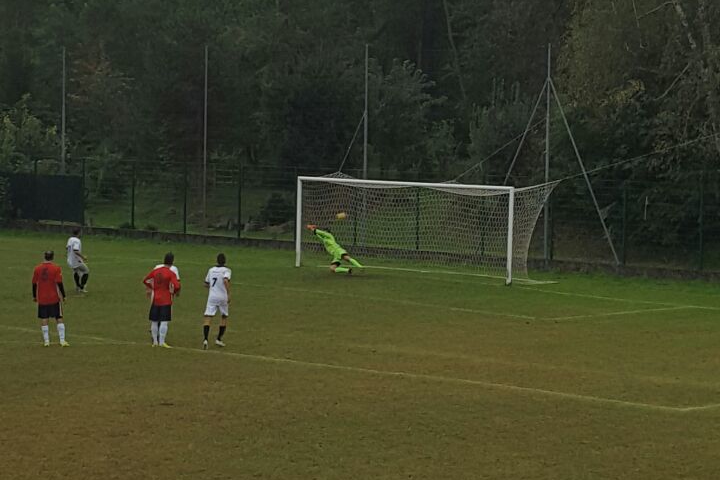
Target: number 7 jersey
(215,279)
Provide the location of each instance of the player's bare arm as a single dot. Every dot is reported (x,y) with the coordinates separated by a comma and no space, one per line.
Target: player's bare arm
(61,289)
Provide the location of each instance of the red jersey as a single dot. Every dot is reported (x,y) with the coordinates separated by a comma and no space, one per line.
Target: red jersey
(160,280)
(47,276)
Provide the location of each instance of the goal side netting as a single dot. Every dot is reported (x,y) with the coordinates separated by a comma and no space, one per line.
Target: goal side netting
(450,227)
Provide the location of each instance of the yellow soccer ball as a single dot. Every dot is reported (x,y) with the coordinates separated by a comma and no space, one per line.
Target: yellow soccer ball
(341,216)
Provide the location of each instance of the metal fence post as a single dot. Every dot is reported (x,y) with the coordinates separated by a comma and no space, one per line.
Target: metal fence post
(185,192)
(132,198)
(36,215)
(239,205)
(295,205)
(84,192)
(551,239)
(417,219)
(623,259)
(701,222)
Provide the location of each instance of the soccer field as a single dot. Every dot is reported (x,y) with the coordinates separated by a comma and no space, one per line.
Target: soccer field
(385,375)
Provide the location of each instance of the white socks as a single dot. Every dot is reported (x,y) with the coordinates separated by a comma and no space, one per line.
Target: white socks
(163,331)
(154,332)
(46,332)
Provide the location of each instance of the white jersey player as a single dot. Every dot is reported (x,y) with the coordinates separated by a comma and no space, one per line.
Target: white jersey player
(217,281)
(77,261)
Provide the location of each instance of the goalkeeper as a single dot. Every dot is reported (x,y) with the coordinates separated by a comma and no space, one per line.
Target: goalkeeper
(335,250)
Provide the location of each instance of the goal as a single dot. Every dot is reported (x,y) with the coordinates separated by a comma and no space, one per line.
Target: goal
(444,227)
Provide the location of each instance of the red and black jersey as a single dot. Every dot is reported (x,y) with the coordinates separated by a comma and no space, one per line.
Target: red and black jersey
(161,280)
(47,278)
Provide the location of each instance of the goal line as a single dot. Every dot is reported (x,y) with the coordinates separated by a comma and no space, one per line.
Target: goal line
(521,281)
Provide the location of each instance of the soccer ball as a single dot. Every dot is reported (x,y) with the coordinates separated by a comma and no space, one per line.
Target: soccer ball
(341,216)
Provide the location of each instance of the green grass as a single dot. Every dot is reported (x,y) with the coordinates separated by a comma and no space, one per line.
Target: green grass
(384,375)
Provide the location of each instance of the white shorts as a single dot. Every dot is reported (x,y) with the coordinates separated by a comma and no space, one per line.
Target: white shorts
(212,308)
(80,269)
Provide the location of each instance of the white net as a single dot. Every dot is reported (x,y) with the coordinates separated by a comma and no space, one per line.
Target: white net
(449,227)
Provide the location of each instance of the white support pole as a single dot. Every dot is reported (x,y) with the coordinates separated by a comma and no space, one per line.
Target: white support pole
(527,130)
(546,208)
(363,223)
(62,121)
(511,224)
(298,223)
(584,171)
(365,123)
(205,109)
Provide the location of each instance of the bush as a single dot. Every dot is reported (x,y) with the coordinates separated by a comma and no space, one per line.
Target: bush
(277,210)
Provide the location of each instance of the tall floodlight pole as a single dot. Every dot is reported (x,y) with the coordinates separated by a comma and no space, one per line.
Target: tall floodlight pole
(205,107)
(62,120)
(365,123)
(546,214)
(363,223)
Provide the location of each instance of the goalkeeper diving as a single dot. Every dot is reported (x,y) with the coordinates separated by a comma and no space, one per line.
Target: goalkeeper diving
(337,252)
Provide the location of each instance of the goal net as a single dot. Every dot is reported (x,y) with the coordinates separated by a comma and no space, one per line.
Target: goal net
(450,227)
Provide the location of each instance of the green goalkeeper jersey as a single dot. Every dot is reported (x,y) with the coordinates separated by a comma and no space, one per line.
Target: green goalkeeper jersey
(330,244)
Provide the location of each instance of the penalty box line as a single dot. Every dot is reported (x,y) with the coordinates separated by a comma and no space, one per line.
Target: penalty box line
(616,299)
(98,340)
(471,310)
(388,300)
(622,313)
(419,376)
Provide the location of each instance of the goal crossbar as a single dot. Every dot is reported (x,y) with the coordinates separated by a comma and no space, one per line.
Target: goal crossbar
(392,183)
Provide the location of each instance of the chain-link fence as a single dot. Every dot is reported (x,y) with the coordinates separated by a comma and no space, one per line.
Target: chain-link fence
(654,222)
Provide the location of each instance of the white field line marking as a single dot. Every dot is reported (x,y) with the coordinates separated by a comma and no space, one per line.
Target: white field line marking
(461,381)
(555,292)
(712,406)
(74,343)
(462,274)
(469,310)
(388,300)
(626,312)
(421,376)
(617,299)
(101,340)
(534,365)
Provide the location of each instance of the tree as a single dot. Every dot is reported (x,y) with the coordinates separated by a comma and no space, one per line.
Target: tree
(24,137)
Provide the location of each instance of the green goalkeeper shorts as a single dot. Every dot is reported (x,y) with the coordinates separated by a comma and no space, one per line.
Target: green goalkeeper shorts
(337,256)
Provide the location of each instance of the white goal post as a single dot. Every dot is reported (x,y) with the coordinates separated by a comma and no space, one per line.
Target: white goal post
(450,227)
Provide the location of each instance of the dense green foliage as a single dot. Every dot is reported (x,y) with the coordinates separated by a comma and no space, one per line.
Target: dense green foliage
(450,82)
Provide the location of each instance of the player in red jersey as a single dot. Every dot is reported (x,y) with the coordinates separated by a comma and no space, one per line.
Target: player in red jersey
(47,286)
(162,284)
